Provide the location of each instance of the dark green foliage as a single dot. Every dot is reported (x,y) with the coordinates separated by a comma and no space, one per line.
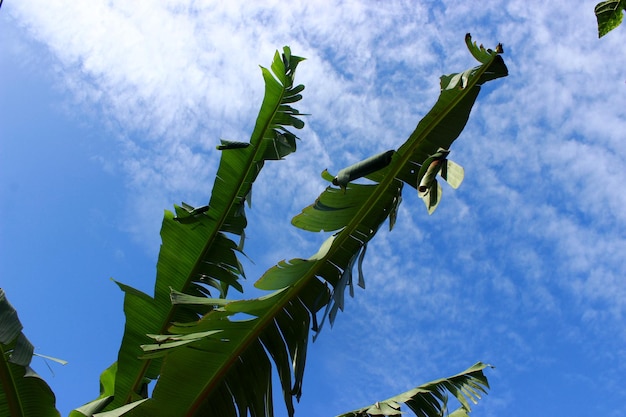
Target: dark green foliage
(609,15)
(23,393)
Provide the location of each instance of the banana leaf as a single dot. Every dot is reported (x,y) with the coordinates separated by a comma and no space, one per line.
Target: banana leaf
(431,399)
(23,393)
(197,256)
(229,373)
(609,15)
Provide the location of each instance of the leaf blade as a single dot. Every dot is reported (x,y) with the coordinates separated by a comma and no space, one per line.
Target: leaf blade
(23,393)
(609,15)
(429,399)
(196,253)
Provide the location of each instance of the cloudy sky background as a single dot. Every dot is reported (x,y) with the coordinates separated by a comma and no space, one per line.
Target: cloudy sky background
(110,112)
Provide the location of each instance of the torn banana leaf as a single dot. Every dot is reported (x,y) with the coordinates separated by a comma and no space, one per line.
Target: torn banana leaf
(198,252)
(431,399)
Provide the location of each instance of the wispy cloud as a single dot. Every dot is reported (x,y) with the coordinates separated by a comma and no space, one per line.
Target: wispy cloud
(534,235)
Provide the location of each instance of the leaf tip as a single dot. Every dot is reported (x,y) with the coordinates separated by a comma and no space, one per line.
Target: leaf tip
(482,54)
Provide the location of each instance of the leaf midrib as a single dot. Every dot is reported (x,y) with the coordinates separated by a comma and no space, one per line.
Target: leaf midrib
(9,386)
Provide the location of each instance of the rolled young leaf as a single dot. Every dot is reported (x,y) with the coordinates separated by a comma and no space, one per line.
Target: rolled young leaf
(428,188)
(363,168)
(229,144)
(429,170)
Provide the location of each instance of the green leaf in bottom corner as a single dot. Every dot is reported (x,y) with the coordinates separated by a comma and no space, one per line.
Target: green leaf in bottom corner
(23,392)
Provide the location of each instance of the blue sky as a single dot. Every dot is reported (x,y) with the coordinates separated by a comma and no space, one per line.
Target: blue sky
(110,112)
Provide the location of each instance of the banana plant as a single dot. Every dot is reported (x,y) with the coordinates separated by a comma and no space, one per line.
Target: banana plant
(197,256)
(213,356)
(23,393)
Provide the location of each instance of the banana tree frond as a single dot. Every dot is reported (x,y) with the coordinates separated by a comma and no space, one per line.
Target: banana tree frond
(229,373)
(231,350)
(357,211)
(197,255)
(431,399)
(23,393)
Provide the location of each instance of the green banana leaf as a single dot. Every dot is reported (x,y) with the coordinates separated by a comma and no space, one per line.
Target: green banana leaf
(431,399)
(229,373)
(609,15)
(23,393)
(197,257)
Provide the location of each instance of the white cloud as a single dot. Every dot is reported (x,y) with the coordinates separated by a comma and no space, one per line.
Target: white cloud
(535,233)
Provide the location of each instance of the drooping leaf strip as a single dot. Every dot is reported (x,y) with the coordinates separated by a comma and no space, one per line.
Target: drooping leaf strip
(23,393)
(431,399)
(230,376)
(196,252)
